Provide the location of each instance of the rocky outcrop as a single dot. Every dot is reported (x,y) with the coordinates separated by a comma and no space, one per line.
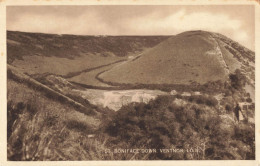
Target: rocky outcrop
(115,99)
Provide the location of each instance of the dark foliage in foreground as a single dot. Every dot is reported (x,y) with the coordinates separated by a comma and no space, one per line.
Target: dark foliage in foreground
(36,132)
(165,124)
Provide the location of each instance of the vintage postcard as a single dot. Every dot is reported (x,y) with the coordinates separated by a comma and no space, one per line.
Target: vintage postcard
(108,82)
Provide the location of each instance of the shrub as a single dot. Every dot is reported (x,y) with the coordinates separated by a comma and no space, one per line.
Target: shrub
(13,112)
(249,100)
(162,124)
(228,108)
(211,101)
(238,80)
(78,126)
(201,99)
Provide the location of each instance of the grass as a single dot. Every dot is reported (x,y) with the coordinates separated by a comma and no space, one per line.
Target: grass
(182,59)
(177,60)
(45,90)
(42,129)
(71,46)
(37,53)
(61,66)
(89,77)
(46,125)
(73,74)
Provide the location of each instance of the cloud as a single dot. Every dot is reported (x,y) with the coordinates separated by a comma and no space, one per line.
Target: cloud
(241,36)
(133,20)
(182,21)
(87,23)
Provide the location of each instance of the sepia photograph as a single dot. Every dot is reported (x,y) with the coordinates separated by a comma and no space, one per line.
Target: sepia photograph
(130,82)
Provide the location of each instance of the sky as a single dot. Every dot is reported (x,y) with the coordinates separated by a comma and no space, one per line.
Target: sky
(234,21)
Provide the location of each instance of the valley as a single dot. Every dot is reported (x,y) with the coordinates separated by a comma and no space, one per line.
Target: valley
(91,93)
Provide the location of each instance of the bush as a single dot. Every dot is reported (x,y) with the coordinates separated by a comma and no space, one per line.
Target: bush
(246,134)
(228,108)
(207,100)
(238,80)
(162,124)
(249,100)
(13,112)
(78,126)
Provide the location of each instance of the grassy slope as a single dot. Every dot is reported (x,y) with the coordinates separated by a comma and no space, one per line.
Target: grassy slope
(71,46)
(61,66)
(178,60)
(36,53)
(14,74)
(45,129)
(44,124)
(40,128)
(88,78)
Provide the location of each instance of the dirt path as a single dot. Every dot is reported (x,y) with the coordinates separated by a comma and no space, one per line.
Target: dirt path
(91,76)
(70,75)
(220,54)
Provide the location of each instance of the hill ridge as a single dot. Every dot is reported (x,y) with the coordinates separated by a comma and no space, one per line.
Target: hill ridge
(72,46)
(193,56)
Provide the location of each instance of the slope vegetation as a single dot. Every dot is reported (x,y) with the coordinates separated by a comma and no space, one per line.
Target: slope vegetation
(180,128)
(37,53)
(70,46)
(194,56)
(45,125)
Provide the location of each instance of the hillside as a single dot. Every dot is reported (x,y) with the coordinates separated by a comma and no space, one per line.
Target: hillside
(173,125)
(195,56)
(37,53)
(70,46)
(45,125)
(178,94)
